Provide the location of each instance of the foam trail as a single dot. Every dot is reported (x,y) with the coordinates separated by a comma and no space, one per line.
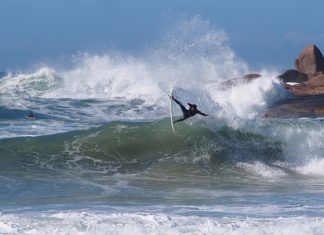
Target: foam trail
(263,170)
(153,223)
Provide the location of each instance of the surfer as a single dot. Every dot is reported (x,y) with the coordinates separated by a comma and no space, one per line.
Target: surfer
(187,113)
(31,115)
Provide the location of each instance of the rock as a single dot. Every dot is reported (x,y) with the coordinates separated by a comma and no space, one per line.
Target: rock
(251,76)
(306,83)
(292,75)
(298,90)
(314,86)
(311,106)
(310,61)
(232,82)
(309,75)
(316,81)
(305,90)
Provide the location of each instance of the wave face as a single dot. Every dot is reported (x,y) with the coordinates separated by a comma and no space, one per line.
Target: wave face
(148,152)
(102,148)
(107,176)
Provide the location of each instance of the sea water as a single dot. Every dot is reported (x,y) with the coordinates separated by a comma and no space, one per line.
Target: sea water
(101,157)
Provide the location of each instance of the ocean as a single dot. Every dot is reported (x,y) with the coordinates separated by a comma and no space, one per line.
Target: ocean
(101,157)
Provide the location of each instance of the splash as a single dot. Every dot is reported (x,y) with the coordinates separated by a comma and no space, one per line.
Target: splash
(191,56)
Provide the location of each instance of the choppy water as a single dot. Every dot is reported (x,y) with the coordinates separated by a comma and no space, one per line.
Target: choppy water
(101,157)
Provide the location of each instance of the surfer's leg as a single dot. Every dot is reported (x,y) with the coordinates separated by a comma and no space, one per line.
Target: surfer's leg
(179,120)
(184,110)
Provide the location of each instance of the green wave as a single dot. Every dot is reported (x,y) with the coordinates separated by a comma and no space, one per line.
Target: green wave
(128,147)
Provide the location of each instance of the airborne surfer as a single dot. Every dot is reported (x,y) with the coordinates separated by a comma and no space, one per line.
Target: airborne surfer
(187,113)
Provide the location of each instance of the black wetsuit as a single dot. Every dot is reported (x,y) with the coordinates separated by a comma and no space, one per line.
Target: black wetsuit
(187,113)
(31,115)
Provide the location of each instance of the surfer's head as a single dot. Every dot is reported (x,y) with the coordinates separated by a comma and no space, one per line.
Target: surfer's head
(193,107)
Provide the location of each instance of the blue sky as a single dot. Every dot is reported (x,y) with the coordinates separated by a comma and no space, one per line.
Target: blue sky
(261,32)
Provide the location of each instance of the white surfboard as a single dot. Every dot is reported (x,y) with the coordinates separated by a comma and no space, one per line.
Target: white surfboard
(171,110)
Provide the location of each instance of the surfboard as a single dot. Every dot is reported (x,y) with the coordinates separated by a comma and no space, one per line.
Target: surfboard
(31,118)
(171,110)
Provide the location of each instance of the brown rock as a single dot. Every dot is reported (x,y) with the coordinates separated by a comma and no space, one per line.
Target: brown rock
(293,76)
(310,61)
(305,90)
(311,106)
(251,76)
(310,74)
(298,90)
(317,81)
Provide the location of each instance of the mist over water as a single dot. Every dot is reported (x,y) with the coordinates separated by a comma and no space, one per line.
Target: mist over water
(101,155)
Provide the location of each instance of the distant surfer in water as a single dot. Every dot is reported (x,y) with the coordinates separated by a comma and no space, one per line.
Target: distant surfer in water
(31,115)
(187,113)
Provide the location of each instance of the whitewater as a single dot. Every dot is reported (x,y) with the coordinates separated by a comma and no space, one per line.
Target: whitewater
(101,157)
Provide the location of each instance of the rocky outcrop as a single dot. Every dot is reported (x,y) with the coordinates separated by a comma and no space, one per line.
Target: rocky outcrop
(311,106)
(310,61)
(304,90)
(251,76)
(306,83)
(309,73)
(314,86)
(294,76)
(316,81)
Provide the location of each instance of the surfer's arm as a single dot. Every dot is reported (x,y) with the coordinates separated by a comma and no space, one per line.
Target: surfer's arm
(203,114)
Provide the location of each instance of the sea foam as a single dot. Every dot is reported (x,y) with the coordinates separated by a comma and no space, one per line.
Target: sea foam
(191,57)
(154,223)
